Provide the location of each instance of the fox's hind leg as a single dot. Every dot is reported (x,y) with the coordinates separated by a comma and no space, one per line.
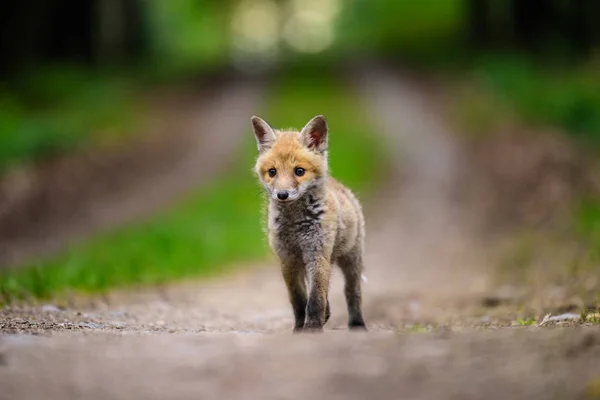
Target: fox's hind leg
(351,265)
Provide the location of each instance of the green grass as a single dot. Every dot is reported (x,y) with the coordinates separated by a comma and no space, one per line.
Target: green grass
(591,316)
(215,227)
(566,97)
(586,224)
(54,110)
(400,26)
(417,328)
(526,321)
(510,91)
(186,35)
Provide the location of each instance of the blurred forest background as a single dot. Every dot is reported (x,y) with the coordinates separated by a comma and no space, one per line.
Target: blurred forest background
(76,75)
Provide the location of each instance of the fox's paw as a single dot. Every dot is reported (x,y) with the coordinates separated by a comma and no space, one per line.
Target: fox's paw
(357,327)
(313,327)
(313,330)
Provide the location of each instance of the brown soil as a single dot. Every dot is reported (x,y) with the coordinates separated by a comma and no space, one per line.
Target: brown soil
(231,338)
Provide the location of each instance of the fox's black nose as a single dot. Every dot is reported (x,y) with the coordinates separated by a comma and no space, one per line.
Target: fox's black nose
(283,195)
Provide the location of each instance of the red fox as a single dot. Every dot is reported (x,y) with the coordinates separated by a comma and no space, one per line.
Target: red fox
(313,221)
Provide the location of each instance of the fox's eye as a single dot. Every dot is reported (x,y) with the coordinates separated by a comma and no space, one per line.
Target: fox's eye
(272,172)
(299,171)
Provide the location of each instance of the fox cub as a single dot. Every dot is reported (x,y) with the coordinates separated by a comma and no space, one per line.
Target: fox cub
(313,221)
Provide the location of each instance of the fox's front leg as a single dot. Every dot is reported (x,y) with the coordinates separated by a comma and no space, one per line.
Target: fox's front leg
(294,280)
(316,308)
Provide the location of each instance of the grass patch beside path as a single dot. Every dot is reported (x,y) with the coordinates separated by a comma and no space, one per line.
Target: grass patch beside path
(567,98)
(55,110)
(505,95)
(213,227)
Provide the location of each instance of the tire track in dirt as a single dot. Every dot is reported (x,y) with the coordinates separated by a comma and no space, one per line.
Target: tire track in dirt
(421,248)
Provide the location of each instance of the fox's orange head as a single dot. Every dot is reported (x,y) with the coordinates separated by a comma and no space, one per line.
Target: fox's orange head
(290,163)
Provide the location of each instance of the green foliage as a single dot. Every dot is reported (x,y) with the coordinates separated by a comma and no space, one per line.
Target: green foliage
(567,97)
(53,110)
(213,227)
(188,34)
(216,225)
(591,315)
(587,225)
(418,328)
(421,29)
(526,321)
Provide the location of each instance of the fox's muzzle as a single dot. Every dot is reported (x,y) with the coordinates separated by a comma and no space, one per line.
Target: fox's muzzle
(285,195)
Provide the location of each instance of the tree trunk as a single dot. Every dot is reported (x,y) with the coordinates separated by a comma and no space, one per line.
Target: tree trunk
(478,17)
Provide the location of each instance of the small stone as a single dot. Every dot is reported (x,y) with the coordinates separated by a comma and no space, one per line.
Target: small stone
(90,325)
(561,318)
(414,307)
(50,308)
(491,301)
(118,314)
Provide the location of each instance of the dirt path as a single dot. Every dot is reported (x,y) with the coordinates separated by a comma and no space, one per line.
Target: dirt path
(208,340)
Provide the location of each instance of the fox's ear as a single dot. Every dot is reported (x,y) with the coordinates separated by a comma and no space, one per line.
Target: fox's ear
(265,135)
(314,134)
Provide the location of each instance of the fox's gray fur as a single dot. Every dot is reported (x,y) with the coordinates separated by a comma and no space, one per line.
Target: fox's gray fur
(319,223)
